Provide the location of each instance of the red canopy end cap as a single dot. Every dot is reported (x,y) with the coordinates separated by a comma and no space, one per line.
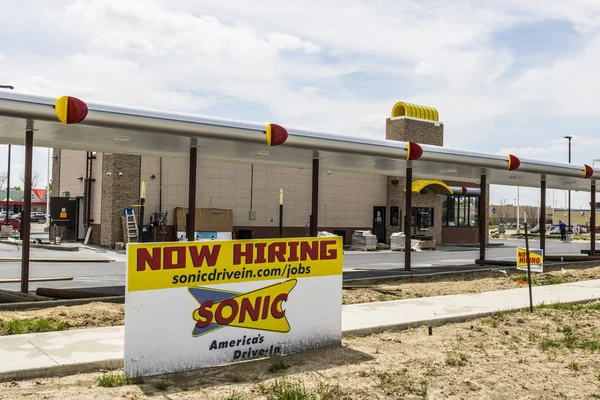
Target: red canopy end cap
(414,151)
(276,135)
(513,162)
(587,171)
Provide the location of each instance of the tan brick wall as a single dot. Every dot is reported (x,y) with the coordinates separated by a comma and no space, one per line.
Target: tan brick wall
(118,193)
(424,132)
(55,186)
(407,129)
(72,167)
(346,199)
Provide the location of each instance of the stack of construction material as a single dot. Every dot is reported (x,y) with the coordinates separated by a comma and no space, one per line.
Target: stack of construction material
(398,239)
(326,234)
(364,240)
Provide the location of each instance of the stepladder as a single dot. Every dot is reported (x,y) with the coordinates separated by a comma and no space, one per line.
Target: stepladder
(130,227)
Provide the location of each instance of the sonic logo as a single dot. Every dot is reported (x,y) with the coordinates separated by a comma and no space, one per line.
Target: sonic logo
(260,309)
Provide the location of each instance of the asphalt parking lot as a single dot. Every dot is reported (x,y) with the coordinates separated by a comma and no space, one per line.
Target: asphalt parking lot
(357,264)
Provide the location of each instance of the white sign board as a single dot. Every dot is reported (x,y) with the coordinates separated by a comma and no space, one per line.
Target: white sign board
(199,304)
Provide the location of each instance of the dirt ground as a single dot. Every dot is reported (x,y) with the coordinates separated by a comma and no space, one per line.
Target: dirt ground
(550,354)
(99,314)
(90,315)
(476,282)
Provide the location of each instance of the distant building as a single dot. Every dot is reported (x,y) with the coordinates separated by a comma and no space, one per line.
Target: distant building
(15,202)
(578,217)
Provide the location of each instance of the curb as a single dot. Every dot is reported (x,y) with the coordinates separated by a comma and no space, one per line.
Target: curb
(55,303)
(43,246)
(56,260)
(62,370)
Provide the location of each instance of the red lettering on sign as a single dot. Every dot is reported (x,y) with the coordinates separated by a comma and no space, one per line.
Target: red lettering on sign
(174,252)
(309,250)
(231,303)
(275,308)
(144,257)
(238,254)
(260,253)
(277,250)
(204,311)
(293,251)
(233,310)
(326,253)
(246,308)
(205,254)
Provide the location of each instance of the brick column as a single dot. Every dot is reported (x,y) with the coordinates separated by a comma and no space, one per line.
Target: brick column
(423,132)
(118,193)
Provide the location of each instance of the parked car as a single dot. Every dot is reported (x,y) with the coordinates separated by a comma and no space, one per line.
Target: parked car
(555,230)
(535,229)
(14,222)
(38,217)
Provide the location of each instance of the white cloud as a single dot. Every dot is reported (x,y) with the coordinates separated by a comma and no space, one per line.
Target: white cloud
(284,41)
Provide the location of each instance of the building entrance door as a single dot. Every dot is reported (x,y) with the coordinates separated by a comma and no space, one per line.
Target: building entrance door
(379,223)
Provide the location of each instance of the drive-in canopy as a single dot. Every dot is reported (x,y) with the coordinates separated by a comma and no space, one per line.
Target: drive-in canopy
(130,130)
(70,123)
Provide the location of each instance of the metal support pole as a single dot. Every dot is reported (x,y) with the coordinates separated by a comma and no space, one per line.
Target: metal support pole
(26,212)
(407,221)
(8,188)
(48,192)
(191,216)
(314,217)
(543,216)
(569,190)
(482,219)
(593,221)
(281,212)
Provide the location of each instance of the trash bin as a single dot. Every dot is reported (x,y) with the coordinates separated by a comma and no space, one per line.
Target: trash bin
(569,237)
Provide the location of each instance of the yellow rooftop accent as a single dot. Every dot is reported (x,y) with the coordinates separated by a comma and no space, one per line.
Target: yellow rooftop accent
(438,186)
(402,109)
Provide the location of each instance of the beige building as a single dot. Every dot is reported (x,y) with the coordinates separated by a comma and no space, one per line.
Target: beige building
(347,201)
(578,217)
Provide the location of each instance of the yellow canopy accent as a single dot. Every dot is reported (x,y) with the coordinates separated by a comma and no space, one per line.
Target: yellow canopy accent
(402,109)
(438,186)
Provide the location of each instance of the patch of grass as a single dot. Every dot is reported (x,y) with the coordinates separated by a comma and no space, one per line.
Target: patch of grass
(114,379)
(278,366)
(402,383)
(478,329)
(571,307)
(574,365)
(459,360)
(19,327)
(382,297)
(533,336)
(327,391)
(548,343)
(554,281)
(430,372)
(285,390)
(161,385)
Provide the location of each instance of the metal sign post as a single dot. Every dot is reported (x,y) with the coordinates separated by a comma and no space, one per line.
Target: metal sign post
(528,268)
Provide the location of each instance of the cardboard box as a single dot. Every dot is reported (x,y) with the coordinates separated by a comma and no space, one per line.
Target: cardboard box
(207,219)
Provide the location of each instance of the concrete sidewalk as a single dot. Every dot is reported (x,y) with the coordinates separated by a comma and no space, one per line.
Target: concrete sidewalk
(77,351)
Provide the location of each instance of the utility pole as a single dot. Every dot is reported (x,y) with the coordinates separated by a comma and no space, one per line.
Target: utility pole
(7,222)
(569,209)
(518,213)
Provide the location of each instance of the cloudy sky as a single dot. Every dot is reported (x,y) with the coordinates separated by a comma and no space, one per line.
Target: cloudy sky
(505,76)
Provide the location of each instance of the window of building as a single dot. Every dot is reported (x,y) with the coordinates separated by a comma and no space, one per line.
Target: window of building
(422,217)
(394,216)
(460,211)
